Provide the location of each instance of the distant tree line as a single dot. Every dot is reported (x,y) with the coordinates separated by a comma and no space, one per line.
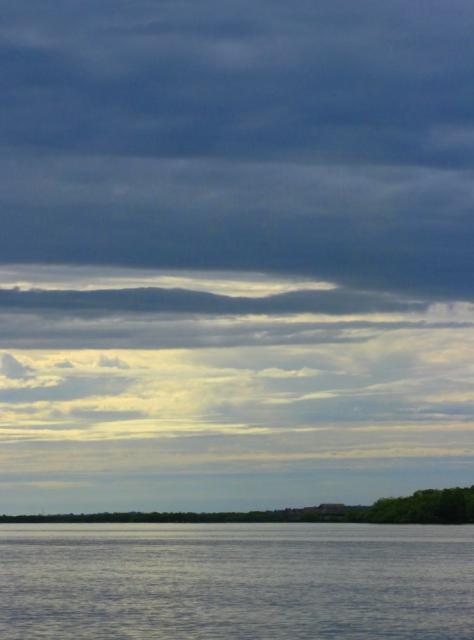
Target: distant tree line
(431,506)
(307,514)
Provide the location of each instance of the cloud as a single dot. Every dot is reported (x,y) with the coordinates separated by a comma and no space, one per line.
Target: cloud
(361,227)
(316,141)
(179,331)
(13,369)
(156,300)
(64,364)
(67,389)
(178,318)
(251,81)
(112,362)
(88,415)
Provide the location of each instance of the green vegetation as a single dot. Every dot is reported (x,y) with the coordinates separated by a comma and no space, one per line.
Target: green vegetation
(446,506)
(135,516)
(431,506)
(308,514)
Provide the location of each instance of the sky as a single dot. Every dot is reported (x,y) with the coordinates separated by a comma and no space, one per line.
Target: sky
(236,252)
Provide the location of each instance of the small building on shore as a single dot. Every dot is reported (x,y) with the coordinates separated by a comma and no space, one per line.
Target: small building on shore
(332,511)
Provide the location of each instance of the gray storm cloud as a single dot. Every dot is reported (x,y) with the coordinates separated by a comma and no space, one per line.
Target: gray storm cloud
(332,139)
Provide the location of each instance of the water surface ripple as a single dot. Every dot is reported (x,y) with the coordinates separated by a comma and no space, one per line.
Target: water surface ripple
(236,582)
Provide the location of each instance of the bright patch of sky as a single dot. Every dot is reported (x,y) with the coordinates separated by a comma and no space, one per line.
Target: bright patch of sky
(80,278)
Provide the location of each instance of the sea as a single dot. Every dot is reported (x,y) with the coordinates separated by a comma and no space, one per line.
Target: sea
(236,582)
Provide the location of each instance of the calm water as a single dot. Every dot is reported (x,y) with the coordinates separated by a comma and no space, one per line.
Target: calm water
(180,582)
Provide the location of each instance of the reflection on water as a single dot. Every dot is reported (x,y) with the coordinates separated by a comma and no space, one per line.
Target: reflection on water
(257,581)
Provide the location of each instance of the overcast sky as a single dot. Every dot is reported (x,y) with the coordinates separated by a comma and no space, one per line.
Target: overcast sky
(236,252)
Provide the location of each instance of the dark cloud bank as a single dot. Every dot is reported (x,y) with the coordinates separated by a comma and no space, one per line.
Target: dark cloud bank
(173,318)
(328,139)
(156,300)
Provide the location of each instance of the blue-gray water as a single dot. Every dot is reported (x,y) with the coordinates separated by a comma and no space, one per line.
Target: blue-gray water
(272,581)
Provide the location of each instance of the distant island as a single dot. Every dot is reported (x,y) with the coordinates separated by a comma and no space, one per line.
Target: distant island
(429,506)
